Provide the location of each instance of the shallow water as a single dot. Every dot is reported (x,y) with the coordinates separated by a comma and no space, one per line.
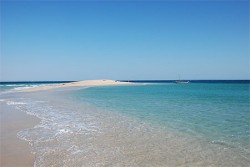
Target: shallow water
(218,112)
(147,125)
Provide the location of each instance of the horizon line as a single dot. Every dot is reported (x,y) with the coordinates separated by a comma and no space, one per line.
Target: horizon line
(126,80)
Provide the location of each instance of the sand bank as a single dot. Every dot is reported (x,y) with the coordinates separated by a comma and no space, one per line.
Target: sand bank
(86,83)
(13,151)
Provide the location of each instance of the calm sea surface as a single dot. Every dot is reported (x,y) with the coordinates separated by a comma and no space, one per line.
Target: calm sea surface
(149,124)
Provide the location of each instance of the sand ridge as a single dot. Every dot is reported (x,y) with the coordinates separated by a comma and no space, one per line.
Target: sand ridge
(84,83)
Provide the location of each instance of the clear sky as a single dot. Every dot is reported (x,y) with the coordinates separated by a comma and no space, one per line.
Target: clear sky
(65,40)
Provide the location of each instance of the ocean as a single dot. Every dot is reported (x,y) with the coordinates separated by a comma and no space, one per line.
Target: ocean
(153,123)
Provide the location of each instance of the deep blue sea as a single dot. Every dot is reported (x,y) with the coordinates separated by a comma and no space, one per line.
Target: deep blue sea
(150,123)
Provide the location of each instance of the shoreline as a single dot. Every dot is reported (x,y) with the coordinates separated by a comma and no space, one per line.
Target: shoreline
(15,151)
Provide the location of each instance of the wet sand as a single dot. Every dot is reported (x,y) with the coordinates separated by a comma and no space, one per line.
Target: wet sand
(14,151)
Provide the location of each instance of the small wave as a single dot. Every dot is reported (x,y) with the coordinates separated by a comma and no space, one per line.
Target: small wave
(221,142)
(26,87)
(63,131)
(15,103)
(13,85)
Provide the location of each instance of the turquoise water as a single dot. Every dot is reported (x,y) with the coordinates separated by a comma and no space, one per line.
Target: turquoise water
(216,112)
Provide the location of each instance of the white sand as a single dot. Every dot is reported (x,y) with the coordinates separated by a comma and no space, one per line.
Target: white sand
(86,83)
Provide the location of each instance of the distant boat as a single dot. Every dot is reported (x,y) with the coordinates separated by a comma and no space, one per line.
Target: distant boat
(181,82)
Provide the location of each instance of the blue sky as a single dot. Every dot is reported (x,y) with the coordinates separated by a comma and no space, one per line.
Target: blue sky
(79,40)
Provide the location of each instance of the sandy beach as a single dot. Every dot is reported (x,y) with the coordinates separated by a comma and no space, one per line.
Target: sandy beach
(14,151)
